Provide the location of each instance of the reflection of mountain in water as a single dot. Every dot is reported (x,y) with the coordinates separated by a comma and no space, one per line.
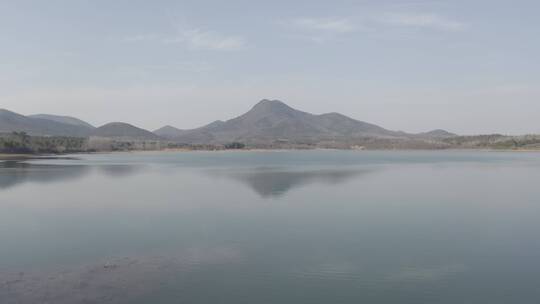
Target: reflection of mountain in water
(15,172)
(120,170)
(272,182)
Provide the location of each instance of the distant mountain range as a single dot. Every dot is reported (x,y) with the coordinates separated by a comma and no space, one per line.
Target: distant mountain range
(271,120)
(40,125)
(63,119)
(267,122)
(54,125)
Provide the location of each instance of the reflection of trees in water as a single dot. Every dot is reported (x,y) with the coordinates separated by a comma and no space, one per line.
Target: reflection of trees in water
(15,172)
(275,182)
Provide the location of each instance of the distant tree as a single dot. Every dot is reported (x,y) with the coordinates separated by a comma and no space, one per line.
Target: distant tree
(23,137)
(235,146)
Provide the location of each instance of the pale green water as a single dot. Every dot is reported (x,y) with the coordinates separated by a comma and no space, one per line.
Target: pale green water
(272,227)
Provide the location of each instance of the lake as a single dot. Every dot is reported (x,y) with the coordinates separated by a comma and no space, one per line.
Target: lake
(271,227)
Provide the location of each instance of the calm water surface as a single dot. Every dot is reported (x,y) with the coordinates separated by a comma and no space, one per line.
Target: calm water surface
(271,227)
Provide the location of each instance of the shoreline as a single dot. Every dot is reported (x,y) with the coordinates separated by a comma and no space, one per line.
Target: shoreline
(16,156)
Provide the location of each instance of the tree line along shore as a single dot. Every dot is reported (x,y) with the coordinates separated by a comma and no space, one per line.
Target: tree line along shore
(22,143)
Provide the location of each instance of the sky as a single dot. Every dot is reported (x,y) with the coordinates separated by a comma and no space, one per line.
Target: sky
(467,66)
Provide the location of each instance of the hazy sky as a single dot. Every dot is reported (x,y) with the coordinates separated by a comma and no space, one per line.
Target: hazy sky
(463,65)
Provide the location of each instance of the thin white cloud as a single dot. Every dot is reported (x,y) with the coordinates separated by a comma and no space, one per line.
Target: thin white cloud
(336,25)
(321,30)
(195,39)
(198,39)
(423,20)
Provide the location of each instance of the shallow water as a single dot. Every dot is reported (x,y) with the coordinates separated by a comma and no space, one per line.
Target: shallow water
(271,227)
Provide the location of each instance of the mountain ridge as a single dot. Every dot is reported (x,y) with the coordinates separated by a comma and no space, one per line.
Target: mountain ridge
(266,122)
(14,122)
(124,130)
(273,120)
(168,131)
(63,119)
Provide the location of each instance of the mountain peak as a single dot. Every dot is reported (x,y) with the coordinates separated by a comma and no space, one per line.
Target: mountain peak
(267,103)
(122,129)
(168,131)
(273,120)
(215,123)
(117,124)
(271,107)
(167,127)
(439,133)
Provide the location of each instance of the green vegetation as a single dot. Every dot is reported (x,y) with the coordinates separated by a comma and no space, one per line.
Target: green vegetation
(495,141)
(22,143)
(235,146)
